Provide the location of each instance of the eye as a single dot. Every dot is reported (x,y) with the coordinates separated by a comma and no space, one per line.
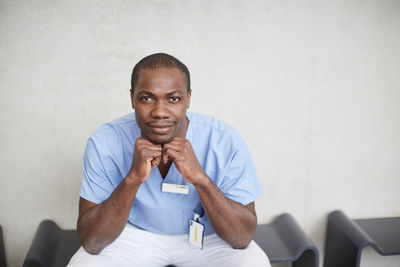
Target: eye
(175,99)
(145,98)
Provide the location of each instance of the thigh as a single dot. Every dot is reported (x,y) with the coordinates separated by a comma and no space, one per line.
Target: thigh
(216,252)
(253,256)
(134,247)
(82,259)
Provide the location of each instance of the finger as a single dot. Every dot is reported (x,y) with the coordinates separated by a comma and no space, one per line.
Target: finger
(167,148)
(151,155)
(144,141)
(178,139)
(148,163)
(164,156)
(147,153)
(148,147)
(177,147)
(155,162)
(173,154)
(184,148)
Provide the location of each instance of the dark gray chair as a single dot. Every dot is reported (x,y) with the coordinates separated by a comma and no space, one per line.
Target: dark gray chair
(346,238)
(284,241)
(51,246)
(3,262)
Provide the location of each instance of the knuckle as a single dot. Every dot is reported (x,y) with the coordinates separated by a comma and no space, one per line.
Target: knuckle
(143,153)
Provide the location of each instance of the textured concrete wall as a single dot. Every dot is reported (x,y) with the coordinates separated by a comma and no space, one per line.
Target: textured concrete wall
(313,86)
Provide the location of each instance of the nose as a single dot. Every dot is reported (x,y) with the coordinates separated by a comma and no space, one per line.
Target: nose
(159,110)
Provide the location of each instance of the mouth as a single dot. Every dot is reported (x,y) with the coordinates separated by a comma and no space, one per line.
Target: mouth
(160,128)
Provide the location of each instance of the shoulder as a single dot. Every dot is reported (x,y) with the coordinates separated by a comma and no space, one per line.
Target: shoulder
(214,128)
(122,127)
(202,121)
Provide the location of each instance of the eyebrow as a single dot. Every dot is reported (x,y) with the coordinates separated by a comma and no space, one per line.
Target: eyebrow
(145,92)
(174,92)
(151,94)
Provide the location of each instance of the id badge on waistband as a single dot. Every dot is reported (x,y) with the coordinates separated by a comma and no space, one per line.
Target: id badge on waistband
(196,232)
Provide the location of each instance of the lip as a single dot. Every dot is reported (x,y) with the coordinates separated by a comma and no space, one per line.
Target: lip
(160,129)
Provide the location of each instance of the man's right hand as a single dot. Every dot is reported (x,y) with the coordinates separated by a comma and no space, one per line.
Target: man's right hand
(146,156)
(100,224)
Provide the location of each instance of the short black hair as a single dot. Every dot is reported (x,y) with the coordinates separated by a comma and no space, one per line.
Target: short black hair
(159,60)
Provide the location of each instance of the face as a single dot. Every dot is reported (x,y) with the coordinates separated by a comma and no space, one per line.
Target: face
(160,100)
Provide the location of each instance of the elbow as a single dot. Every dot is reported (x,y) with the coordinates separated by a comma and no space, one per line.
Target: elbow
(92,251)
(242,244)
(90,244)
(92,248)
(241,241)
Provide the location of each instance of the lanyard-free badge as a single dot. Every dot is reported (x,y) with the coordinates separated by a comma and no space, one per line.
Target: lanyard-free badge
(196,232)
(175,188)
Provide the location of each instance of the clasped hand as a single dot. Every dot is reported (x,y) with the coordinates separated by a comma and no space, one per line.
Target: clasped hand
(148,155)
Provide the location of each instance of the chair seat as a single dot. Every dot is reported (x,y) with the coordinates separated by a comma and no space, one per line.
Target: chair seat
(384,233)
(346,238)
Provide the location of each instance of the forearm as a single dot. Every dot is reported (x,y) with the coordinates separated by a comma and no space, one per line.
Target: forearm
(232,221)
(101,224)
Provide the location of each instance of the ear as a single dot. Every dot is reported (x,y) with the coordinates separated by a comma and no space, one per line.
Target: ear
(132,99)
(189,95)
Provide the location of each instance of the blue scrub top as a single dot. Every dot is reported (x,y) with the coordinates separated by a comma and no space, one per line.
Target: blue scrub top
(219,148)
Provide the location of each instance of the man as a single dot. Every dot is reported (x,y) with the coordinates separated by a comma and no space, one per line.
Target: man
(162,177)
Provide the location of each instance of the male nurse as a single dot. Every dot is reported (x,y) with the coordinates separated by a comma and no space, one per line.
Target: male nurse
(163,186)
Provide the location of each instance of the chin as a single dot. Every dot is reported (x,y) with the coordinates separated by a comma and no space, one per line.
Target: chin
(160,140)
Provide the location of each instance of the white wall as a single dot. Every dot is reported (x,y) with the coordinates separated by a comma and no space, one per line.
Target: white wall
(313,86)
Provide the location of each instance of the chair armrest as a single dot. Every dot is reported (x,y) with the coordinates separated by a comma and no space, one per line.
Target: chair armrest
(292,235)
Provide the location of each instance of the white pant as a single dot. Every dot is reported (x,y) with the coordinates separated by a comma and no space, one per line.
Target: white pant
(135,247)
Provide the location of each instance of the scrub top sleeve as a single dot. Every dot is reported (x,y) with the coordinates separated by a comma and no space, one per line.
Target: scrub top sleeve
(240,182)
(96,187)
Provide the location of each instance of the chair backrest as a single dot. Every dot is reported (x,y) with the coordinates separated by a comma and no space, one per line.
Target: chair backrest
(3,262)
(51,246)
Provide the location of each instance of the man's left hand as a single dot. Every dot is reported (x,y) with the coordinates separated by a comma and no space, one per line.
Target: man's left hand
(180,151)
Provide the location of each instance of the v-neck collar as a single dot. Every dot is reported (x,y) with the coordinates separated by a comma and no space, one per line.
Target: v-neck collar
(172,174)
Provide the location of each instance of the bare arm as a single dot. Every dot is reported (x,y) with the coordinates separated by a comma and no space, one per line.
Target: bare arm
(99,225)
(232,221)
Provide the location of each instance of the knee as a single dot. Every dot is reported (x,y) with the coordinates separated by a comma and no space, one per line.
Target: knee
(253,255)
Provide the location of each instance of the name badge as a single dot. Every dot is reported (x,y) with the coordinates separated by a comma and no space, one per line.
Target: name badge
(196,232)
(175,188)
